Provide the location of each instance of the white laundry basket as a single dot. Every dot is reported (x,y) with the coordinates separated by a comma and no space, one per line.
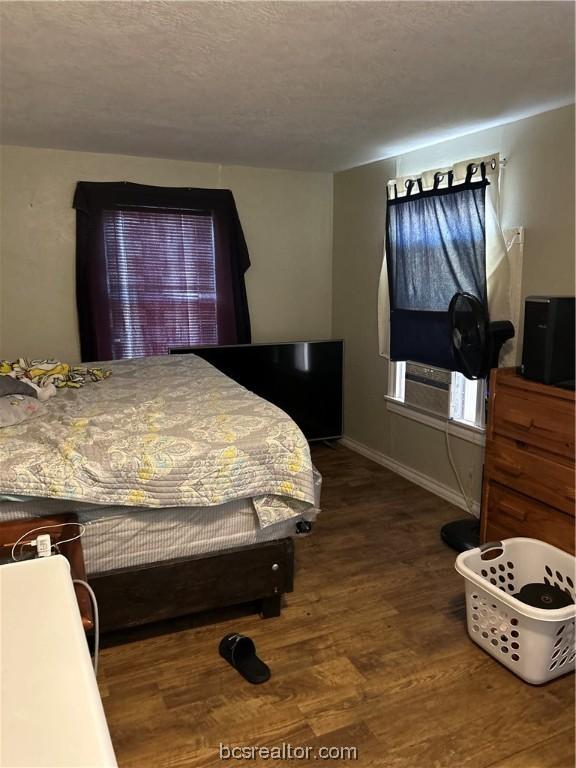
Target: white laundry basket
(536,644)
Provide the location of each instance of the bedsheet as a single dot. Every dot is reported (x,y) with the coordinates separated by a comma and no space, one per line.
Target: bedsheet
(124,537)
(166,432)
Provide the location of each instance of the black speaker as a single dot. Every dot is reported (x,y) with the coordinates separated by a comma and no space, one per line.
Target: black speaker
(548,349)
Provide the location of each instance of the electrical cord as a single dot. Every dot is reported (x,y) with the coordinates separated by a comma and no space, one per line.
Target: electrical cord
(45,527)
(75,581)
(96,620)
(467,501)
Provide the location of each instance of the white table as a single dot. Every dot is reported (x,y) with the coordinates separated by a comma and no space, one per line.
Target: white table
(51,714)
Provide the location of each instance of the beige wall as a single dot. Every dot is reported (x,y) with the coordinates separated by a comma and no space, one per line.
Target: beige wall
(537,192)
(294,289)
(286,216)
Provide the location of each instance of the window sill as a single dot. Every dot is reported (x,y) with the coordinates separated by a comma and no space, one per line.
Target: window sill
(460,430)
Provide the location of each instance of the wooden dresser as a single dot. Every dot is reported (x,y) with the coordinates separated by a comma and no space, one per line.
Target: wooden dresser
(528,487)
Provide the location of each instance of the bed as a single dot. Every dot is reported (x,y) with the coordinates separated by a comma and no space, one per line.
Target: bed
(191,488)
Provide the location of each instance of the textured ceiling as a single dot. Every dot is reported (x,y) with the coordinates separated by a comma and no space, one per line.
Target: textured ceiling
(305,85)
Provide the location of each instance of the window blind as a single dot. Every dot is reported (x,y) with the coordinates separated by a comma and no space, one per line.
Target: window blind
(161,279)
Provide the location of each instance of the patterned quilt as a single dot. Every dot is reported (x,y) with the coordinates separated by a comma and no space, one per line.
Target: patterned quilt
(161,432)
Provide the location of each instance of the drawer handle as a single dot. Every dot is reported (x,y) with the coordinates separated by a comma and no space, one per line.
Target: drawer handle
(508,469)
(519,419)
(508,509)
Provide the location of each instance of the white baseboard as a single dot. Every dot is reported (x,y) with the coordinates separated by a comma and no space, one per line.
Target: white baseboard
(425,481)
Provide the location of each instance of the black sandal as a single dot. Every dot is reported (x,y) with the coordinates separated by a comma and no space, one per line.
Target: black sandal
(240,652)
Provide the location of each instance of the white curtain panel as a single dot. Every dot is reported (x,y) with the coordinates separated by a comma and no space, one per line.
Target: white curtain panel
(503,255)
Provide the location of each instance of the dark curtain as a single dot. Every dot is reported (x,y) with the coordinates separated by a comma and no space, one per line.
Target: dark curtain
(435,247)
(93,199)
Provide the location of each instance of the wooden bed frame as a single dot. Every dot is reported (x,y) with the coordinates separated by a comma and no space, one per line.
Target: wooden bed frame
(129,597)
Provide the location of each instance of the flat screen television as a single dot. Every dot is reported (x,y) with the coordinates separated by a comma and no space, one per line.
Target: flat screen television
(303,378)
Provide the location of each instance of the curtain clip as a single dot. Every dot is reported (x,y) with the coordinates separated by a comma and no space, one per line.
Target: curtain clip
(470,171)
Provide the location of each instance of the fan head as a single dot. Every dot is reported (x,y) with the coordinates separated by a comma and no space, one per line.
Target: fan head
(468,324)
(476,342)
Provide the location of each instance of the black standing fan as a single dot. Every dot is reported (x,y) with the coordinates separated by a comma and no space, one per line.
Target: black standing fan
(476,345)
(476,342)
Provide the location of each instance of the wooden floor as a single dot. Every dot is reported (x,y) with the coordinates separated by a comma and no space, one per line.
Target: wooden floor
(371,652)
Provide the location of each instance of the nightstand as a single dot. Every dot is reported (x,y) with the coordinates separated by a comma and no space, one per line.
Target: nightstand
(10,532)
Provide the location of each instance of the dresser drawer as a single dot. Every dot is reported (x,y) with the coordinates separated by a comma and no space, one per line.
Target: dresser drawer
(509,514)
(540,478)
(545,422)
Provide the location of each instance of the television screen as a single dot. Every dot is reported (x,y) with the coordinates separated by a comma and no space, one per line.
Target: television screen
(303,378)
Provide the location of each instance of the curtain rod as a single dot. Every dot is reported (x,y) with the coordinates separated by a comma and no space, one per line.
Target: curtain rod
(502,163)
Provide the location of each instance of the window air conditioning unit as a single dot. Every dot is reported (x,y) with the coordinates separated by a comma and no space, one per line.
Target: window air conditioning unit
(427,389)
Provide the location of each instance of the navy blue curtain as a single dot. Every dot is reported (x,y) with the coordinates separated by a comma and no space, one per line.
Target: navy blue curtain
(435,247)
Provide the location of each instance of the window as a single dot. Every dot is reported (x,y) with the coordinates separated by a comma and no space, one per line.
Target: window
(436,246)
(158,267)
(437,393)
(161,280)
